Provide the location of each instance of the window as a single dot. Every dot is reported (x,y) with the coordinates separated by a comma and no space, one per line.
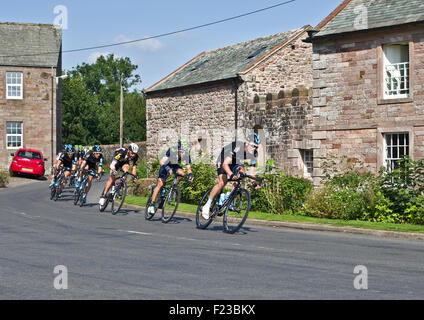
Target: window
(13,85)
(254,54)
(199,65)
(308,162)
(396,71)
(14,135)
(396,146)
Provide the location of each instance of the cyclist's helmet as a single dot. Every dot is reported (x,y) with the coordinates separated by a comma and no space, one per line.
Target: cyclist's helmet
(182,145)
(253,137)
(69,148)
(133,148)
(97,148)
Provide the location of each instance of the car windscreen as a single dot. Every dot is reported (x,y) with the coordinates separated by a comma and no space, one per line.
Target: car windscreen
(29,155)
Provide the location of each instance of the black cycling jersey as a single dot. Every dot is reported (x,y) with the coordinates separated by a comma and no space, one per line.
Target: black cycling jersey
(175,159)
(66,160)
(238,153)
(120,158)
(92,161)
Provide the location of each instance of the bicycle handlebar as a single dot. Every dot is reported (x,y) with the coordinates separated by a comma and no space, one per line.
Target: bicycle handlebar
(243,175)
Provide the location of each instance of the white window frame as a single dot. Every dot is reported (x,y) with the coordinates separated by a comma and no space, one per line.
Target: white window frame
(13,82)
(308,162)
(15,134)
(392,152)
(396,86)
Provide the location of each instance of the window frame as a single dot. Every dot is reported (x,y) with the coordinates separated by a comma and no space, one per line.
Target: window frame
(17,85)
(392,159)
(307,161)
(21,135)
(382,98)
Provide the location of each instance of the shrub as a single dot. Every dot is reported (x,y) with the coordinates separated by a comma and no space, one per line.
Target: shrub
(346,193)
(280,194)
(403,184)
(204,178)
(414,213)
(4,179)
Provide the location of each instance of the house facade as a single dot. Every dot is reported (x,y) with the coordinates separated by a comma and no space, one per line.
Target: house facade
(263,85)
(368,83)
(30,98)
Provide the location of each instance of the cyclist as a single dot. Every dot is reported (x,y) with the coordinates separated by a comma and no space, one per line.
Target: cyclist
(121,161)
(170,164)
(68,161)
(230,165)
(89,163)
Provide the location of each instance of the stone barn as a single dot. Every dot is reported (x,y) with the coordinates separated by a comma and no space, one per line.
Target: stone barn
(262,85)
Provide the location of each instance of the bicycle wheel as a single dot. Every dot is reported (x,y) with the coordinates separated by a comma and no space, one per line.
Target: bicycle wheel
(52,191)
(83,195)
(236,212)
(170,204)
(77,194)
(119,196)
(201,222)
(147,214)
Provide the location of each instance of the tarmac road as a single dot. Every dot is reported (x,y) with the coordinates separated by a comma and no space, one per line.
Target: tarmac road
(127,257)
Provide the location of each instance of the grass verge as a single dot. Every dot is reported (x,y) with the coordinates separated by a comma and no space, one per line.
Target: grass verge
(184,207)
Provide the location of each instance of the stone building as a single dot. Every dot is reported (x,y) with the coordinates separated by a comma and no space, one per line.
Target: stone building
(30,105)
(262,85)
(368,87)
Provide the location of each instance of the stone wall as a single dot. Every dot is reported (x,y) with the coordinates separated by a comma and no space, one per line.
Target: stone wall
(203,115)
(350,114)
(34,111)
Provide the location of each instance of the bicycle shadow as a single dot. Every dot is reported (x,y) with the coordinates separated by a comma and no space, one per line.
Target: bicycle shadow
(243,230)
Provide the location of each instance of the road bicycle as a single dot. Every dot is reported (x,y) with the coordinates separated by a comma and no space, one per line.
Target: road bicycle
(117,194)
(169,199)
(56,188)
(80,193)
(234,209)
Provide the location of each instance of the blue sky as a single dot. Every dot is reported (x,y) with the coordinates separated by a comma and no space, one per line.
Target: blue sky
(95,22)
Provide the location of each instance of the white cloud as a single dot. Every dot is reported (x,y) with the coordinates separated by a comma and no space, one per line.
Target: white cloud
(92,58)
(151,45)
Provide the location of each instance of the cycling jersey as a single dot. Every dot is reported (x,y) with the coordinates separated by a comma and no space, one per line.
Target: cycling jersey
(121,158)
(175,159)
(92,160)
(173,162)
(66,160)
(239,155)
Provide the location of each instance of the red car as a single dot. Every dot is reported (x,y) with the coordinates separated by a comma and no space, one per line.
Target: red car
(27,161)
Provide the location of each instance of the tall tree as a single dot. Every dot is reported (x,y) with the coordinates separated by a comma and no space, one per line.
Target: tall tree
(101,80)
(80,116)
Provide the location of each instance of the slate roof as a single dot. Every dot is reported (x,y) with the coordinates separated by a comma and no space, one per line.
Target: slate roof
(227,62)
(380,13)
(29,45)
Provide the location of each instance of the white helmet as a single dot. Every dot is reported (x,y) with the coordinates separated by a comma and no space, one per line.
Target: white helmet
(133,148)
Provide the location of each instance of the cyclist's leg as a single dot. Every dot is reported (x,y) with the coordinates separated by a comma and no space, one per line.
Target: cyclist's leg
(178,170)
(222,181)
(163,174)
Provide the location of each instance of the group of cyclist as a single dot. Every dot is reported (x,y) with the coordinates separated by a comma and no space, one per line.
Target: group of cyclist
(230,165)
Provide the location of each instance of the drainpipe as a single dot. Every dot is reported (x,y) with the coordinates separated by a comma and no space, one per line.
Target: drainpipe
(236,83)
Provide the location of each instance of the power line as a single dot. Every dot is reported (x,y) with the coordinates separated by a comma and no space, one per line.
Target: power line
(157,36)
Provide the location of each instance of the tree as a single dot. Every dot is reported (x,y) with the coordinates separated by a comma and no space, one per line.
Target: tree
(80,116)
(101,81)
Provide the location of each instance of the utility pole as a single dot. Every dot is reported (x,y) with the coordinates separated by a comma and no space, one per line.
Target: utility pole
(121,121)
